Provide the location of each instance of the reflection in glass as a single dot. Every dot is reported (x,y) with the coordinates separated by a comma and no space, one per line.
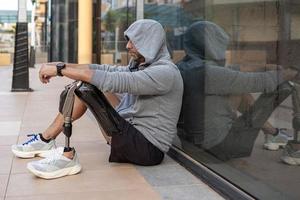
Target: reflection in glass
(227,123)
(223,133)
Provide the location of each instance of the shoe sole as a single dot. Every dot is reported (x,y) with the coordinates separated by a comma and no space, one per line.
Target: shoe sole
(290,160)
(32,154)
(57,174)
(274,147)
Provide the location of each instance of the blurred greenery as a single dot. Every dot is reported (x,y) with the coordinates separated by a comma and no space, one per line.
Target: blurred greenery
(117,18)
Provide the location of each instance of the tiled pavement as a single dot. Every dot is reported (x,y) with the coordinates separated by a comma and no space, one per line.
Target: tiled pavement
(21,113)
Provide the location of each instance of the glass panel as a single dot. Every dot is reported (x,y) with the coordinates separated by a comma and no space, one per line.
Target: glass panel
(239,113)
(116,17)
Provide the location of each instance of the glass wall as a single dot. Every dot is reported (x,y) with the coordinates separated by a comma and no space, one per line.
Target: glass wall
(239,111)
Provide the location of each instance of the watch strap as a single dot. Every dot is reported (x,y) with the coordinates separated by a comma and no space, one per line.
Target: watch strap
(59,67)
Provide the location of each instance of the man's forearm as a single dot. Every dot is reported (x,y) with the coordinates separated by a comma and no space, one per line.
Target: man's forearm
(73,71)
(77,66)
(80,72)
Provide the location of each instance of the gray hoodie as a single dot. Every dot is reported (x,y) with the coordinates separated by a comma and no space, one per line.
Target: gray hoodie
(152,93)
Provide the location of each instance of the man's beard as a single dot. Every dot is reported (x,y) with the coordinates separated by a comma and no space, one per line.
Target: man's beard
(138,57)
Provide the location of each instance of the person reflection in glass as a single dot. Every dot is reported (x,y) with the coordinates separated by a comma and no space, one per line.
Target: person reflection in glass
(214,93)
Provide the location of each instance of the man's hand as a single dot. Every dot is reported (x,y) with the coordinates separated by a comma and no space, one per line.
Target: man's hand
(47,71)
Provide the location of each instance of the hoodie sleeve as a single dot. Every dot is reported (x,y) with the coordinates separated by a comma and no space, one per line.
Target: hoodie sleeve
(222,81)
(110,68)
(154,80)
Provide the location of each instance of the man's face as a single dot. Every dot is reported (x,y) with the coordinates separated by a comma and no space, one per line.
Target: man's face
(133,52)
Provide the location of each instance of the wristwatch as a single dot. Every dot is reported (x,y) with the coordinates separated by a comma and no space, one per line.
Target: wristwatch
(59,67)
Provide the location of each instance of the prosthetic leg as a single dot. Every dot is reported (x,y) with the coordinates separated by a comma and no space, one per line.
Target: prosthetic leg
(67,113)
(106,116)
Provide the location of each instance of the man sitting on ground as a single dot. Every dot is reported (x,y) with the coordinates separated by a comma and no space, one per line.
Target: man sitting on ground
(152,90)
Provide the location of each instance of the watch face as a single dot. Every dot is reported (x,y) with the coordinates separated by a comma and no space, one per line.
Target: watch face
(59,67)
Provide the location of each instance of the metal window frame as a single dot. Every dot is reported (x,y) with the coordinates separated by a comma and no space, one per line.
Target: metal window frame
(139,9)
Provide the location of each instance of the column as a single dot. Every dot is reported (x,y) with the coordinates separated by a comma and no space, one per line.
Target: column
(85,21)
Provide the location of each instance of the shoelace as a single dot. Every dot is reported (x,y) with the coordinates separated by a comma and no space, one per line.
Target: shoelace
(56,149)
(34,138)
(53,157)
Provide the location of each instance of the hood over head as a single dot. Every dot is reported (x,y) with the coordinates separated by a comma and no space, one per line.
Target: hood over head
(207,41)
(148,36)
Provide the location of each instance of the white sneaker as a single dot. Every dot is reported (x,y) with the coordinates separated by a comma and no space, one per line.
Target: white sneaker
(55,166)
(33,147)
(274,142)
(291,155)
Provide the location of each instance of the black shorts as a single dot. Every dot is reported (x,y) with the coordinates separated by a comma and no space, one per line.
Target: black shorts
(131,146)
(128,144)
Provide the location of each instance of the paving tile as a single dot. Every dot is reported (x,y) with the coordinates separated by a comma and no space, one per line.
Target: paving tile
(86,181)
(38,128)
(190,192)
(165,176)
(44,116)
(168,161)
(12,106)
(14,96)
(131,194)
(10,127)
(8,140)
(99,161)
(19,165)
(3,184)
(42,96)
(6,158)
(41,108)
(35,125)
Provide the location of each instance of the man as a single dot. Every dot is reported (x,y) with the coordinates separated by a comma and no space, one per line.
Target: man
(209,115)
(152,91)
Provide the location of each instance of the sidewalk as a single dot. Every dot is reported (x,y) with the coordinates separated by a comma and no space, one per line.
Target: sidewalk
(22,113)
